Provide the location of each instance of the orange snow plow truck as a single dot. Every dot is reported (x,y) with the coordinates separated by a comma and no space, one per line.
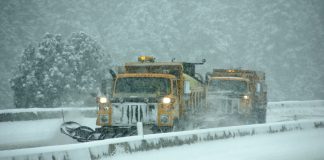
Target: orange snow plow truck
(158,94)
(238,93)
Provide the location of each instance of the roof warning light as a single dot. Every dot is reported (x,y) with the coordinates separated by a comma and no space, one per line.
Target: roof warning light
(146,59)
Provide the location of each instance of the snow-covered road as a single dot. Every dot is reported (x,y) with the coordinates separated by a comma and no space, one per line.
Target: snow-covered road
(31,134)
(298,145)
(25,134)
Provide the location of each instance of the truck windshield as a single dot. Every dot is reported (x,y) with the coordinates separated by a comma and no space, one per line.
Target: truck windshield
(227,85)
(137,86)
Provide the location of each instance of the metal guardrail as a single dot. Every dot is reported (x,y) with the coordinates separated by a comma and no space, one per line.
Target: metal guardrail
(111,147)
(288,104)
(43,113)
(294,110)
(49,113)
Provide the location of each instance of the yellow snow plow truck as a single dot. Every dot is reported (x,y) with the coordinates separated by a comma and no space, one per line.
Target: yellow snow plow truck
(239,95)
(158,94)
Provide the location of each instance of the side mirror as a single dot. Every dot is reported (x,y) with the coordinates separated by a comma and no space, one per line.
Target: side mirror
(186,88)
(113,73)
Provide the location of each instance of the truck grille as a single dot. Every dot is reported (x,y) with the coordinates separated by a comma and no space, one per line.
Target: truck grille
(225,105)
(131,113)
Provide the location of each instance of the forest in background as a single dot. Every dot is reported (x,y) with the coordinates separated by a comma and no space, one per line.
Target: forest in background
(284,38)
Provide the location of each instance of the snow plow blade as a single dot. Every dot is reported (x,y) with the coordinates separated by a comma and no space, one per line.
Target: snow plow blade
(86,134)
(76,131)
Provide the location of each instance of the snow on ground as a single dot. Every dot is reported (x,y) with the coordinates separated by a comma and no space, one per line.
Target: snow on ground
(35,133)
(25,134)
(295,110)
(298,145)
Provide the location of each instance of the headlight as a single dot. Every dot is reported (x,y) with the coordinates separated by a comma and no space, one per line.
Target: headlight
(103,100)
(166,100)
(164,118)
(104,118)
(245,97)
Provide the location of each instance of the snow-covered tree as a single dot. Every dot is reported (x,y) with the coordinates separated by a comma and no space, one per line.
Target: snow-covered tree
(49,88)
(58,72)
(36,83)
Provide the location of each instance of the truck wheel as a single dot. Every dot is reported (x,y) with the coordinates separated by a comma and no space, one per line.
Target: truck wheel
(261,115)
(176,126)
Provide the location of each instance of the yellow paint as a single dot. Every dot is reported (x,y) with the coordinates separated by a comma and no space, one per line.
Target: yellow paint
(230,78)
(104,109)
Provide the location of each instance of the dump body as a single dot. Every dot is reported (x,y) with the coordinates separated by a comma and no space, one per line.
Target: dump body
(238,92)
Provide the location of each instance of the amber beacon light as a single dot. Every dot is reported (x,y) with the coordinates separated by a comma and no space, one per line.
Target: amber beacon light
(146,59)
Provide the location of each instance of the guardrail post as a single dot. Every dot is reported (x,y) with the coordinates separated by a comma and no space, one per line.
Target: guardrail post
(140,131)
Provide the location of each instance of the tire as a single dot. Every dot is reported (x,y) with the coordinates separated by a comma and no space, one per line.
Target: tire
(176,126)
(261,115)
